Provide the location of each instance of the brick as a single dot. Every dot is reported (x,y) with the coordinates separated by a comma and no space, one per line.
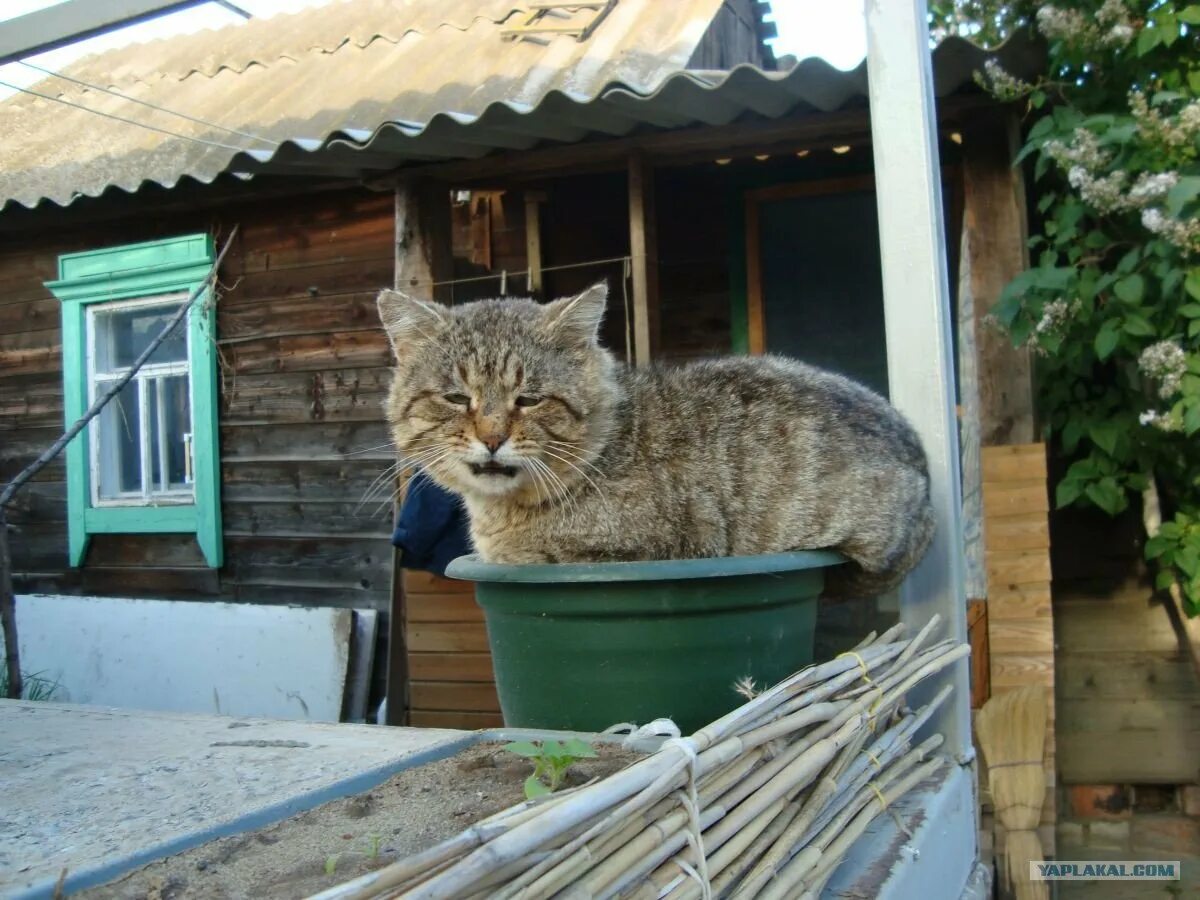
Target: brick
(1106,835)
(1099,801)
(1166,836)
(1189,799)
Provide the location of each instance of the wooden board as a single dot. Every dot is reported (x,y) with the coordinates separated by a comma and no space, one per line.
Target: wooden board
(454,695)
(451,666)
(463,637)
(1020,622)
(977,632)
(1130,699)
(448,607)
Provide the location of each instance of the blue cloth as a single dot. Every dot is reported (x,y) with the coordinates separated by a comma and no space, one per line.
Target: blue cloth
(433,527)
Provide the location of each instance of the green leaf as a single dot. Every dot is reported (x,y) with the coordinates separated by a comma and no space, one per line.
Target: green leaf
(1191,419)
(1105,435)
(579,749)
(1190,14)
(1192,283)
(1147,40)
(523,748)
(1106,340)
(552,748)
(1190,310)
(1130,289)
(1184,192)
(1129,261)
(1138,325)
(1071,434)
(1156,546)
(534,788)
(1107,495)
(1164,579)
(1194,328)
(1067,492)
(1170,29)
(1194,81)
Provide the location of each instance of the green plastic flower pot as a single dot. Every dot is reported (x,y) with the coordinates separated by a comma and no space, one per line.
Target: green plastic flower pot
(583,646)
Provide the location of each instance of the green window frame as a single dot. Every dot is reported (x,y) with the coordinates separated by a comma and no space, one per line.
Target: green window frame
(145,270)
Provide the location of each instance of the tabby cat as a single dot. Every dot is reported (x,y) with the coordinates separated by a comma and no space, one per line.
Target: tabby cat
(562,454)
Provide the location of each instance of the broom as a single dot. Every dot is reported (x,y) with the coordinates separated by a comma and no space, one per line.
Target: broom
(1012,733)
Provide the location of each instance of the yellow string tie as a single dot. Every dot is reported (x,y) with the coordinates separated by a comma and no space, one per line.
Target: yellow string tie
(874,759)
(862,664)
(883,804)
(866,677)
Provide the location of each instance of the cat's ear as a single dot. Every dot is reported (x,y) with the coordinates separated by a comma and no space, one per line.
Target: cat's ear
(407,320)
(578,318)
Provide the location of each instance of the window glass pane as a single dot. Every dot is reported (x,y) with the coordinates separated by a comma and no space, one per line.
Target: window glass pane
(122,334)
(171,420)
(119,466)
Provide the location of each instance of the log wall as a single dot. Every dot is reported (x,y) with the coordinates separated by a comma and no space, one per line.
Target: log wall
(304,368)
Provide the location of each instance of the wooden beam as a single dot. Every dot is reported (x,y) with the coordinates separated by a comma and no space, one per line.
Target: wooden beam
(424,258)
(533,239)
(414,267)
(643,251)
(994,250)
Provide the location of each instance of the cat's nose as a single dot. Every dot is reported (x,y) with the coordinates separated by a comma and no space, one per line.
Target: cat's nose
(493,441)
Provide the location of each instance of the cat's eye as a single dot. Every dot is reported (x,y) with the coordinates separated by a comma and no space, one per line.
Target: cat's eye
(527,401)
(457,399)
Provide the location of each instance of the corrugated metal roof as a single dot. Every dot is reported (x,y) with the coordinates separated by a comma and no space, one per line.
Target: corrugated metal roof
(368,85)
(346,66)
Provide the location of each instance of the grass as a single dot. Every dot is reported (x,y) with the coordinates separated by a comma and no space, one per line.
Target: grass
(36,686)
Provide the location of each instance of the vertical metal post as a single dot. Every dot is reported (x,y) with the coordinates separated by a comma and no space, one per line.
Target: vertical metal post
(916,301)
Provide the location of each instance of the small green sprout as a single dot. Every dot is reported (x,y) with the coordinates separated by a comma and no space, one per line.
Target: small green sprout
(331,862)
(376,842)
(551,759)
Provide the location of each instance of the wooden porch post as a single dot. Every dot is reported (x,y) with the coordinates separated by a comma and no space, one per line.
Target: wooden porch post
(994,236)
(643,250)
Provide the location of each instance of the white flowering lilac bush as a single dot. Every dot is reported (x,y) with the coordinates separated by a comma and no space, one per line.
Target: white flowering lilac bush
(1111,305)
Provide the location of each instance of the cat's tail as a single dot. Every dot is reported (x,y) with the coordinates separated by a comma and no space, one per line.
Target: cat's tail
(865,575)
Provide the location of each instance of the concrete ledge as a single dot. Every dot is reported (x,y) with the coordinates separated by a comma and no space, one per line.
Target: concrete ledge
(102,791)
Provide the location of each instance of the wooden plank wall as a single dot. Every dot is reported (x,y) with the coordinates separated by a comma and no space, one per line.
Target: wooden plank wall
(451,684)
(304,368)
(1020,626)
(1130,698)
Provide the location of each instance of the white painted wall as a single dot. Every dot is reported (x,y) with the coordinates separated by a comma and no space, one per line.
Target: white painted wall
(178,656)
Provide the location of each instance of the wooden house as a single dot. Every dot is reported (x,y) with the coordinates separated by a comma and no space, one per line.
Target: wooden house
(463,149)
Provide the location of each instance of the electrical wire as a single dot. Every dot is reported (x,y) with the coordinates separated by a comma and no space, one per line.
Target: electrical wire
(163,109)
(168,132)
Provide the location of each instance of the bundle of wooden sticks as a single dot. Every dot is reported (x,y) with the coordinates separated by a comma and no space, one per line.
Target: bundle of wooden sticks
(762,803)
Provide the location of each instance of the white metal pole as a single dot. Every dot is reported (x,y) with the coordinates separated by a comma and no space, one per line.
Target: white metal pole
(916,304)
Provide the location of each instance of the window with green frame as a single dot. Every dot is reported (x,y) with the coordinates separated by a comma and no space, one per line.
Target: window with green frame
(149,462)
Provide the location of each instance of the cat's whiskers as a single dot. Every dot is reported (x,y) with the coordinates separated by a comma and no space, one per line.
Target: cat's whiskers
(572,450)
(390,471)
(536,477)
(394,469)
(563,492)
(359,452)
(588,478)
(427,465)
